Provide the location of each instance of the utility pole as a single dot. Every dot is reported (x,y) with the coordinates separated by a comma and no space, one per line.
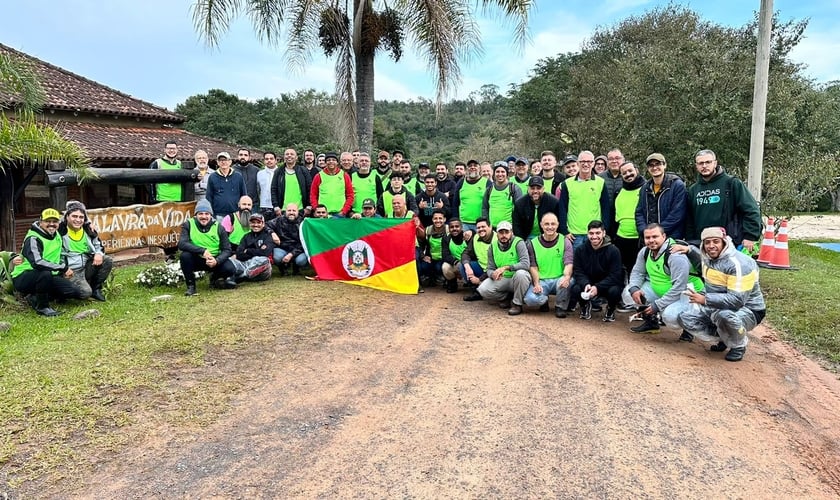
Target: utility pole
(759,111)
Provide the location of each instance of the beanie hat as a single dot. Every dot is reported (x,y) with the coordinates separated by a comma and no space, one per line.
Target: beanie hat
(74,205)
(203,206)
(713,232)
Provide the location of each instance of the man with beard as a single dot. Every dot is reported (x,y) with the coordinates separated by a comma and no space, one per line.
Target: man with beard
(624,234)
(474,257)
(497,204)
(458,172)
(551,177)
(410,183)
(397,157)
(452,248)
(288,249)
(612,175)
(431,200)
(225,187)
(383,169)
(253,255)
(205,246)
(264,180)
(332,187)
(84,252)
(583,199)
(309,163)
(320,212)
(40,270)
(445,184)
(202,171)
(658,279)
(386,201)
(290,185)
(169,191)
(521,175)
(718,199)
(507,264)
(237,224)
(597,272)
(249,173)
(346,161)
(551,258)
(366,184)
(732,304)
(469,196)
(529,210)
(662,199)
(431,260)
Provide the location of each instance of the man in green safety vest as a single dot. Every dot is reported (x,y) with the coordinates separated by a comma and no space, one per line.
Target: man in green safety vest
(453,246)
(497,204)
(205,246)
(468,196)
(551,258)
(366,184)
(583,198)
(386,200)
(40,271)
(430,264)
(84,252)
(237,224)
(474,257)
(658,279)
(507,263)
(332,188)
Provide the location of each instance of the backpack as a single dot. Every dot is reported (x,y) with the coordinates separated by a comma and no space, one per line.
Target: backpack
(694,260)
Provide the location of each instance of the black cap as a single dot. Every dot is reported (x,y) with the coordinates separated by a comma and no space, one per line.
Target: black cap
(569,159)
(423,164)
(398,151)
(536,181)
(331,155)
(256,215)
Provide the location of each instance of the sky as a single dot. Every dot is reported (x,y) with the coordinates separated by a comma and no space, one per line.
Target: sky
(150,50)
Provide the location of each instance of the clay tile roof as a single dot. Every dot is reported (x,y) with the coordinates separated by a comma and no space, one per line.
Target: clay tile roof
(68,91)
(108,142)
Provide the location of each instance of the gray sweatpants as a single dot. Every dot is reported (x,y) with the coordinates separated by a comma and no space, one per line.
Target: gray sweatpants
(731,326)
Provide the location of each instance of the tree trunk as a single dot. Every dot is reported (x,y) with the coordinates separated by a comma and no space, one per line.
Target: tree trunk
(364,86)
(835,200)
(7,209)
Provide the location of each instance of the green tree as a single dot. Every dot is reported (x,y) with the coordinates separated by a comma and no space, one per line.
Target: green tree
(24,139)
(444,31)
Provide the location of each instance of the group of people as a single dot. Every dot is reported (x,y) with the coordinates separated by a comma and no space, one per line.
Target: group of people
(590,230)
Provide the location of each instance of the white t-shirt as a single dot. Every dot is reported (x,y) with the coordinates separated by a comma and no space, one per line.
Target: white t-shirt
(264,177)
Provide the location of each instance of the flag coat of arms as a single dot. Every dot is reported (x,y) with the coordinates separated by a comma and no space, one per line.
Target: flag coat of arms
(377,253)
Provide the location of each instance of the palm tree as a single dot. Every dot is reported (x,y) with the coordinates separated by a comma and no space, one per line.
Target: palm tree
(443,31)
(24,139)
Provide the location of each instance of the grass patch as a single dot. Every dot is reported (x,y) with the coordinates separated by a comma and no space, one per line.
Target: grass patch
(802,304)
(69,386)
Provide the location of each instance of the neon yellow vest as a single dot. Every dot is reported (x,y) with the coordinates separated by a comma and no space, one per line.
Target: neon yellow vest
(292,191)
(457,250)
(549,260)
(331,191)
(472,196)
(507,257)
(168,191)
(51,252)
(625,212)
(237,231)
(584,203)
(480,248)
(500,204)
(209,240)
(363,187)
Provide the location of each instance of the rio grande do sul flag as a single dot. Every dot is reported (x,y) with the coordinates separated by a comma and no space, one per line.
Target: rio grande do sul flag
(377,253)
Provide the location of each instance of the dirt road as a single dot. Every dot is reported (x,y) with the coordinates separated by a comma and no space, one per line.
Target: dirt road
(439,398)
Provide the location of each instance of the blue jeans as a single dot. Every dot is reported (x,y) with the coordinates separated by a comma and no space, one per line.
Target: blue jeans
(476,269)
(301,261)
(580,239)
(549,287)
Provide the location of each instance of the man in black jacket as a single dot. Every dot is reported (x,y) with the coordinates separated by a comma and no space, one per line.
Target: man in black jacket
(525,224)
(288,249)
(598,272)
(290,184)
(205,246)
(255,250)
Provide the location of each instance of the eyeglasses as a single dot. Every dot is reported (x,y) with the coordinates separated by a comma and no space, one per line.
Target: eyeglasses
(704,163)
(586,162)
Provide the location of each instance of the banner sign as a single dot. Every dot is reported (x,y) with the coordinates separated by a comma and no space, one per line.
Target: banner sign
(141,226)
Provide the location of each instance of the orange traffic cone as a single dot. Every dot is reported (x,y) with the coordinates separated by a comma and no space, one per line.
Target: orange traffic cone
(765,255)
(781,258)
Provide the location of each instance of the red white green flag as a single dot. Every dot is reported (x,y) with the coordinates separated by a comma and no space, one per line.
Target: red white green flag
(377,253)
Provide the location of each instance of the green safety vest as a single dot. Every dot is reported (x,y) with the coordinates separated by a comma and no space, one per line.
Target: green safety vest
(388,198)
(625,212)
(79,247)
(363,188)
(292,191)
(536,230)
(472,196)
(51,252)
(457,250)
(412,186)
(660,275)
(168,191)
(436,245)
(549,260)
(584,203)
(209,240)
(507,257)
(331,191)
(481,248)
(523,185)
(500,204)
(237,231)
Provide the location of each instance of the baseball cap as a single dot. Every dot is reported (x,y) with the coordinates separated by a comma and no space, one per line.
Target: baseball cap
(50,213)
(569,159)
(423,164)
(504,226)
(510,158)
(384,154)
(536,181)
(223,154)
(368,203)
(398,151)
(522,160)
(472,162)
(256,215)
(655,156)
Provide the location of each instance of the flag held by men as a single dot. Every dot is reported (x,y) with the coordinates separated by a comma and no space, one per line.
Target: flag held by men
(377,253)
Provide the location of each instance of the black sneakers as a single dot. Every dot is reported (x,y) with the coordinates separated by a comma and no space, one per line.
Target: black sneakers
(473,297)
(650,325)
(190,291)
(686,337)
(609,316)
(586,310)
(735,354)
(719,347)
(98,295)
(559,312)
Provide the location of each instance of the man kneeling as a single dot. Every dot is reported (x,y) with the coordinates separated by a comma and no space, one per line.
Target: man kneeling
(253,255)
(204,246)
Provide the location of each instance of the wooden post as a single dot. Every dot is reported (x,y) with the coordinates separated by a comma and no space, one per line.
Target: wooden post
(58,195)
(759,112)
(7,207)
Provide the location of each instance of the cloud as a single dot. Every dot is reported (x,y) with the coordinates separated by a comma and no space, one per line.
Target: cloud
(819,51)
